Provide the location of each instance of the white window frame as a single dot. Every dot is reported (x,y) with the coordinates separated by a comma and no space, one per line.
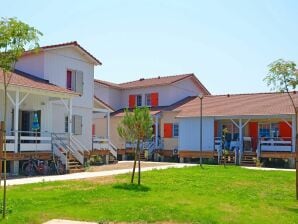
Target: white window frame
(141,98)
(174,134)
(77,80)
(148,98)
(76,126)
(271,131)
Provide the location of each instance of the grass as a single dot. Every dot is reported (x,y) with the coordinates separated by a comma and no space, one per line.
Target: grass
(190,195)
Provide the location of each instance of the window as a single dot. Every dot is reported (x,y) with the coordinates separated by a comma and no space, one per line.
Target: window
(139,100)
(74,80)
(233,132)
(268,130)
(175,130)
(76,124)
(148,99)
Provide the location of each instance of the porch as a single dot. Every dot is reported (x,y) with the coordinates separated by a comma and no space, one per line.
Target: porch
(256,137)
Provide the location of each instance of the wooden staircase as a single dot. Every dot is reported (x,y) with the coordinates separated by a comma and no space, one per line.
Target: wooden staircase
(249,159)
(142,156)
(74,165)
(230,159)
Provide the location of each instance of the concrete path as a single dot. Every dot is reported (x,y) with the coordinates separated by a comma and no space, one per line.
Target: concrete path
(63,221)
(83,175)
(267,169)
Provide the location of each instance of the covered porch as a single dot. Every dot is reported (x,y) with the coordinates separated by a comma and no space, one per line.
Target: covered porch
(29,119)
(259,135)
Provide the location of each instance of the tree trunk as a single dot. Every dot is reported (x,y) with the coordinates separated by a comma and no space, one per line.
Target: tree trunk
(4,146)
(139,174)
(134,167)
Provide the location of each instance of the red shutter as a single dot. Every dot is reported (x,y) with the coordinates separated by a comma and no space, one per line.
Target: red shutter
(132,101)
(215,128)
(68,80)
(93,129)
(168,130)
(253,133)
(154,99)
(284,130)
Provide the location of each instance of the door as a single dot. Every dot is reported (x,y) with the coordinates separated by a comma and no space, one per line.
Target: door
(26,122)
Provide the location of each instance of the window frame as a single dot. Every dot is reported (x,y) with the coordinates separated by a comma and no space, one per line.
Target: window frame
(273,130)
(137,100)
(175,128)
(148,96)
(73,126)
(74,82)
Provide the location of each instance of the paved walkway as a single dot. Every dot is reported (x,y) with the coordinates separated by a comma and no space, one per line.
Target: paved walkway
(63,221)
(267,169)
(83,175)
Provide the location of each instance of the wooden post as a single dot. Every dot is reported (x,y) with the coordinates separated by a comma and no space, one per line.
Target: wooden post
(1,147)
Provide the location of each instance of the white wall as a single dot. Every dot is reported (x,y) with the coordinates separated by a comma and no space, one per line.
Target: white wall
(56,64)
(52,65)
(108,95)
(167,94)
(32,64)
(190,140)
(59,113)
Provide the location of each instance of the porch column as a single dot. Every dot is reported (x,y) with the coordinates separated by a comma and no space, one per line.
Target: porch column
(108,126)
(70,116)
(156,131)
(294,133)
(16,120)
(240,136)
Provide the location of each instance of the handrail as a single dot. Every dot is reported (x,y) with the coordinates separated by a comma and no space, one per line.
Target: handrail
(74,152)
(74,139)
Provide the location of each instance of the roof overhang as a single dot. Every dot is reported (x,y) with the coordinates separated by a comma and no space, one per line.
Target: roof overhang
(42,92)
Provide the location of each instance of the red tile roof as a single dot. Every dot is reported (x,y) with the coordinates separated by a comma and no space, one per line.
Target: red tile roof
(109,84)
(157,81)
(18,80)
(240,104)
(156,110)
(72,43)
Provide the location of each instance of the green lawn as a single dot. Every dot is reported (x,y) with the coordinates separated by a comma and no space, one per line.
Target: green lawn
(190,195)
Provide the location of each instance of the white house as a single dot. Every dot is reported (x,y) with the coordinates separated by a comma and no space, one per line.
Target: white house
(161,94)
(259,125)
(56,84)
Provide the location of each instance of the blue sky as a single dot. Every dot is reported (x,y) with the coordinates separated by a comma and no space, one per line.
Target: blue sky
(227,44)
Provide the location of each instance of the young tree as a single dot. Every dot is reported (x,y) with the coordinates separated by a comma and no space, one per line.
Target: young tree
(15,36)
(136,127)
(283,77)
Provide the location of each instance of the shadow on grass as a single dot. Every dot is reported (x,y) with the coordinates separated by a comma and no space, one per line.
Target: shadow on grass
(132,187)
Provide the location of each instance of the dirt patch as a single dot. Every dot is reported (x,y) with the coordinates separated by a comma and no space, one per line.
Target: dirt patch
(124,165)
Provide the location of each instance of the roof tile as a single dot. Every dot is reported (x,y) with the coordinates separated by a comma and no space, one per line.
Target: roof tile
(240,104)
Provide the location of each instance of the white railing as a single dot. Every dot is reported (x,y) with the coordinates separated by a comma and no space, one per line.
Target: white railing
(100,143)
(28,141)
(217,144)
(10,146)
(104,144)
(275,144)
(62,140)
(113,149)
(61,153)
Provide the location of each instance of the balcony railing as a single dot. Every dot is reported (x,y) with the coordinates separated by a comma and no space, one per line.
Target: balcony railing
(28,141)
